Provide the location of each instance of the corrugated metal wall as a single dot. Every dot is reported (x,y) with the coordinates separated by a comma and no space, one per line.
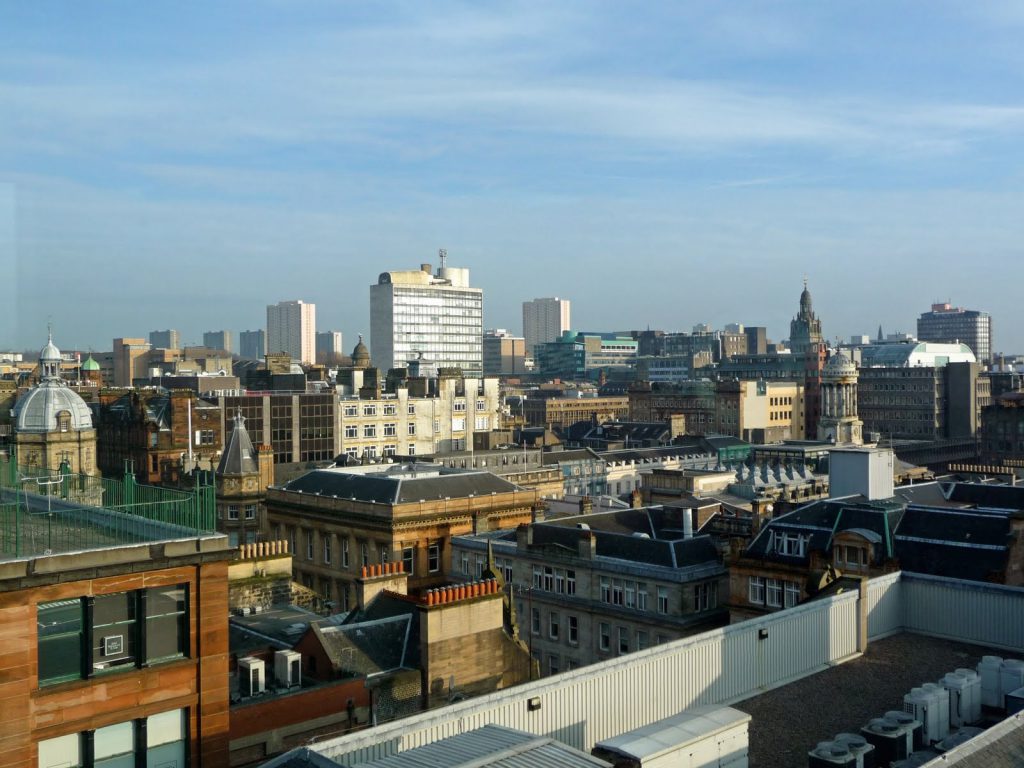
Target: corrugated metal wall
(580,708)
(968,611)
(885,606)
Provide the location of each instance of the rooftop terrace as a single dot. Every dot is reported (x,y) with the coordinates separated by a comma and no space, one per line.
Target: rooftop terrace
(932,624)
(50,513)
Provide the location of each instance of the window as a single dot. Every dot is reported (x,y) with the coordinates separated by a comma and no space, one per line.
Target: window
(641,597)
(553,625)
(157,740)
(793,544)
(390,409)
(459,425)
(327,549)
(344,552)
(605,637)
(351,430)
(437,426)
(774,593)
(641,639)
(434,557)
(705,596)
(250,511)
(309,545)
(407,560)
(364,553)
(83,637)
(570,582)
(464,559)
(552,665)
(369,410)
(755,591)
(662,599)
(606,590)
(411,451)
(390,430)
(389,450)
(631,594)
(411,409)
(560,581)
(350,410)
(412,428)
(792,594)
(369,430)
(549,579)
(232,511)
(617,598)
(460,406)
(574,630)
(623,640)
(535,621)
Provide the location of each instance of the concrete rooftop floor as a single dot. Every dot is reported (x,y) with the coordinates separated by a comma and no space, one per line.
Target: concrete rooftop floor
(789,721)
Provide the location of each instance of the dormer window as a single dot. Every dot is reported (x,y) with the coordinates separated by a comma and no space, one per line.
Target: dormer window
(793,544)
(64,421)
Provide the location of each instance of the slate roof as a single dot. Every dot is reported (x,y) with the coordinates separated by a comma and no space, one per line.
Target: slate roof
(369,647)
(614,533)
(492,745)
(400,483)
(558,457)
(239,457)
(968,535)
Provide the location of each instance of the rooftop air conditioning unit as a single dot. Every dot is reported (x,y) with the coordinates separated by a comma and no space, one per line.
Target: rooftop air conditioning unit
(988,670)
(916,727)
(829,754)
(859,748)
(960,694)
(1011,677)
(923,706)
(252,676)
(288,669)
(974,688)
(942,696)
(891,740)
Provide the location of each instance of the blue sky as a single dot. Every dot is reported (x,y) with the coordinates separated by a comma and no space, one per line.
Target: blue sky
(184,164)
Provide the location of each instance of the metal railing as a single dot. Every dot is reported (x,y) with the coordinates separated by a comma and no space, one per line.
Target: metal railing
(48,512)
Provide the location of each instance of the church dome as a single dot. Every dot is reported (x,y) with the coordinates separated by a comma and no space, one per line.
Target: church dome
(90,364)
(839,365)
(39,409)
(361,355)
(805,302)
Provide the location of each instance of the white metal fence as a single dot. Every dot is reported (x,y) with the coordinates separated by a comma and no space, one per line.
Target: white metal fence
(719,667)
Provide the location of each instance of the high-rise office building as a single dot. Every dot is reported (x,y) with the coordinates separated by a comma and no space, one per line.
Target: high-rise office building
(949,324)
(438,317)
(217,340)
(291,329)
(504,354)
(544,320)
(252,344)
(328,346)
(169,339)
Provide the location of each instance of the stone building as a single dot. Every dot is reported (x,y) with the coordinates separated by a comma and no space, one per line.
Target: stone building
(1002,429)
(838,421)
(115,633)
(156,433)
(242,477)
(53,424)
(593,587)
(340,519)
(561,412)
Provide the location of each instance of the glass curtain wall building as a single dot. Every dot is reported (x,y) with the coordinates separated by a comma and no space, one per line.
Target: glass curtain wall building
(436,318)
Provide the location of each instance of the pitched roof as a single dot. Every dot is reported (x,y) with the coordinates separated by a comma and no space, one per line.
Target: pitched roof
(239,457)
(400,483)
(366,648)
(491,745)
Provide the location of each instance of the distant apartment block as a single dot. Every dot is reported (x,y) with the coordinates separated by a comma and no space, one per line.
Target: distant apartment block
(169,339)
(218,340)
(129,360)
(949,324)
(545,320)
(328,346)
(252,344)
(291,328)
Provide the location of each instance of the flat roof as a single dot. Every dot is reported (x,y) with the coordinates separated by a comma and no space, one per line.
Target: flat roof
(845,697)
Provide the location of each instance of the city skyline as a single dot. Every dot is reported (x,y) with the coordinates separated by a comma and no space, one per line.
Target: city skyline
(711,155)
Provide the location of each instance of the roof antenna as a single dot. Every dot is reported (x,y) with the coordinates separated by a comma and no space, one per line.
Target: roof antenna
(442,254)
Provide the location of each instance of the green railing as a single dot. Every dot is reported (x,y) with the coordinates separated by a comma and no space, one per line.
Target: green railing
(47,512)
